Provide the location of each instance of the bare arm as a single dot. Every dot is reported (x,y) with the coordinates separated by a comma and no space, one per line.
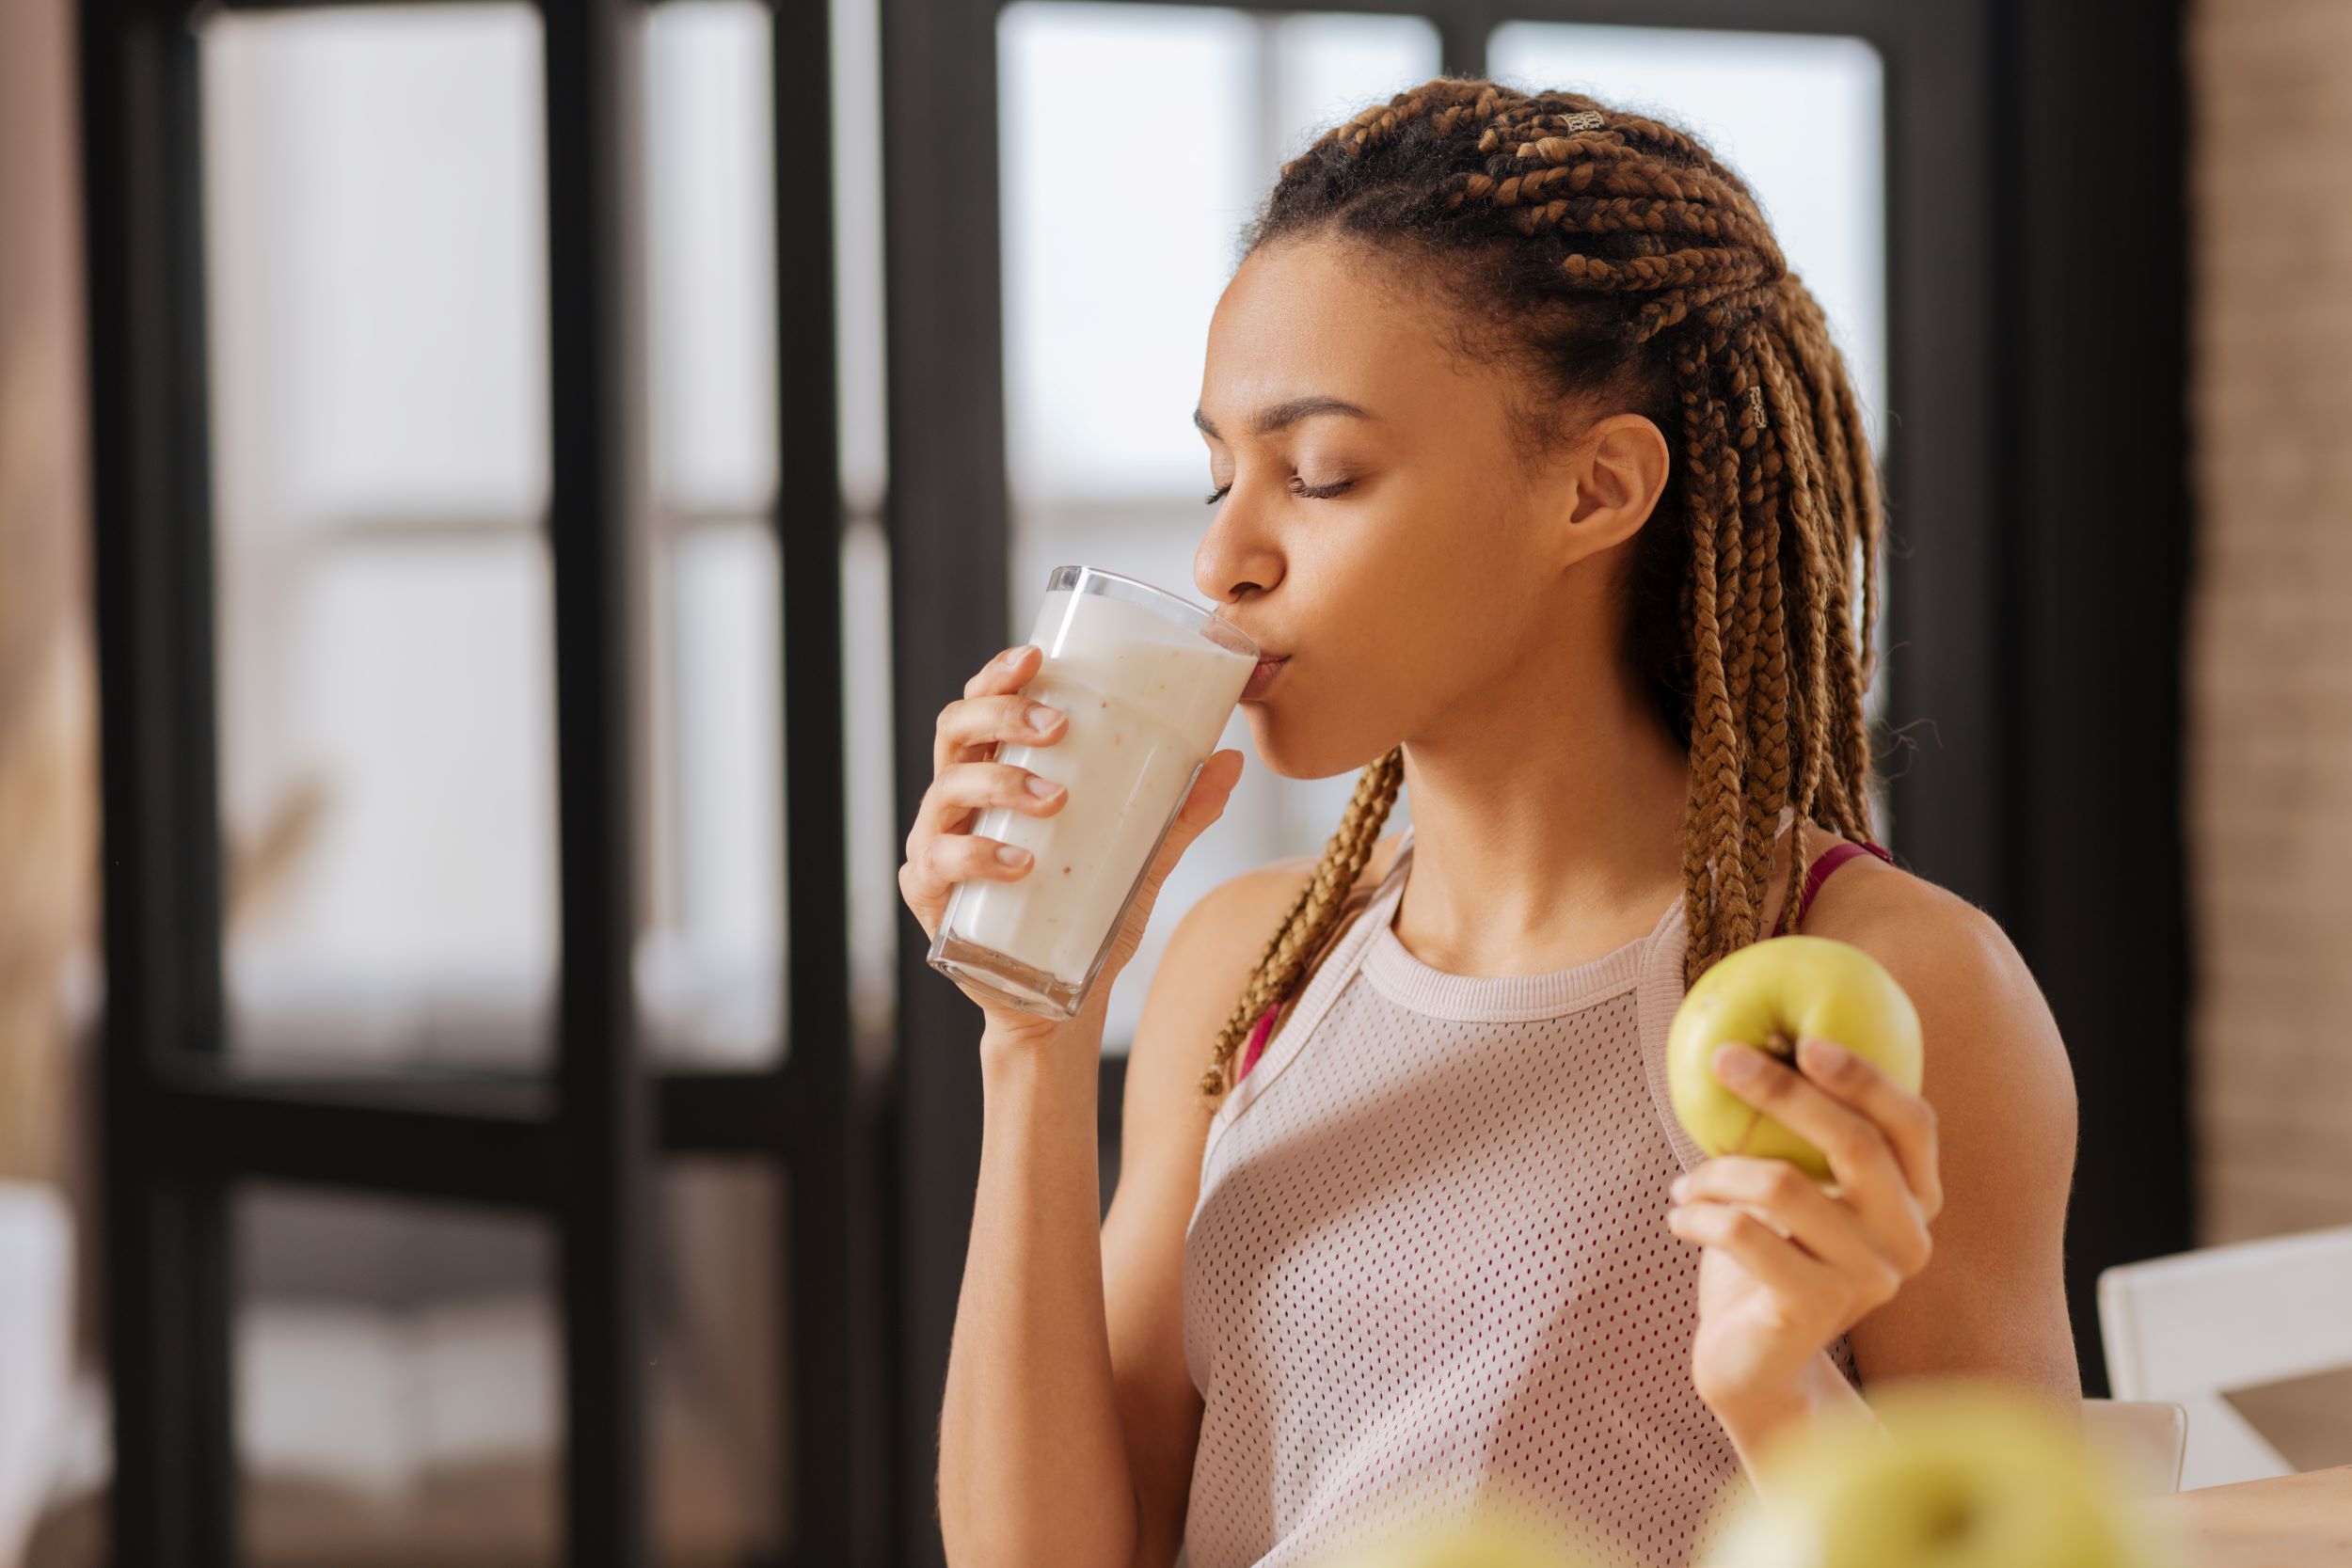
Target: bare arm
(1992,1299)
(1165,1127)
(1983,1153)
(1072,1418)
(1032,1463)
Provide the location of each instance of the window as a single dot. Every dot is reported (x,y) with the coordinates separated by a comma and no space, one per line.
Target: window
(378,318)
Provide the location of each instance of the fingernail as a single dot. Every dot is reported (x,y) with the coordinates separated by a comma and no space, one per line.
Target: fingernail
(1822,1058)
(1013,655)
(1045,790)
(1042,718)
(1011,854)
(1680,1190)
(1736,1064)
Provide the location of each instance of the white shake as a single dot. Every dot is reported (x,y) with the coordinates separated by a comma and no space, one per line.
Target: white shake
(1145,701)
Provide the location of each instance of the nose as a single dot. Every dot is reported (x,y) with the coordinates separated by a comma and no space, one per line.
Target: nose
(1236,556)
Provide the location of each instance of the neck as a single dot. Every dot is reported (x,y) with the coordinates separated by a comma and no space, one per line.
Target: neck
(1546,824)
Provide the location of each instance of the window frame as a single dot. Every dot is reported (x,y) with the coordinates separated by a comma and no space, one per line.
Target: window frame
(182,1128)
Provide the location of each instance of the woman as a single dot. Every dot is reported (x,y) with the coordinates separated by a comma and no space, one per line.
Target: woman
(1539,472)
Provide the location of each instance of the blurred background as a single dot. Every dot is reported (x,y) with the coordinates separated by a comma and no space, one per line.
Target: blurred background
(512,484)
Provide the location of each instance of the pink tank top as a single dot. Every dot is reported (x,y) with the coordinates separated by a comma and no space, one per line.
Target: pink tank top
(1430,1260)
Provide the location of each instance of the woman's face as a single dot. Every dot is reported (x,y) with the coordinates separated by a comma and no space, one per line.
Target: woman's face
(1380,525)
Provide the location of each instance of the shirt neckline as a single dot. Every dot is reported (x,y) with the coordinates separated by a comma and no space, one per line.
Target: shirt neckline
(1405,980)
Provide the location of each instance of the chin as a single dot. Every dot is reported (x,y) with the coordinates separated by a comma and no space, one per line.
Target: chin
(1295,751)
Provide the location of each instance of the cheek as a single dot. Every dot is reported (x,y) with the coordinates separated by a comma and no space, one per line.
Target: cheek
(1379,647)
(1433,580)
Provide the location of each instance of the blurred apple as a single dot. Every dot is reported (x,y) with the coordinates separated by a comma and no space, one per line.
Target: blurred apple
(1768,996)
(1964,1475)
(1494,1537)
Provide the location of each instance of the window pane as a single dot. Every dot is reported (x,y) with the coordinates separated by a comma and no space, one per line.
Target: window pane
(710,202)
(712,966)
(375,183)
(399,1380)
(374,192)
(1107,303)
(876,837)
(1802,121)
(711,969)
(398,1386)
(397,908)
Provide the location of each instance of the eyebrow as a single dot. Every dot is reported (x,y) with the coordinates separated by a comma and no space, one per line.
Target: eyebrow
(1290,411)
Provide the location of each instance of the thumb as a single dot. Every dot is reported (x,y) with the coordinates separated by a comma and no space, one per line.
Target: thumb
(1205,804)
(1210,791)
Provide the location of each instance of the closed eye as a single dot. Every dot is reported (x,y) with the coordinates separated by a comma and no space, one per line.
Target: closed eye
(1311,492)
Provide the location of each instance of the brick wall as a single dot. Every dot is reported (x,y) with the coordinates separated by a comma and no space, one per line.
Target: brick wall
(2269,764)
(2270,659)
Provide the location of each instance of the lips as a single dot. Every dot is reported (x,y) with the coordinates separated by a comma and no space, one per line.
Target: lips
(1264,675)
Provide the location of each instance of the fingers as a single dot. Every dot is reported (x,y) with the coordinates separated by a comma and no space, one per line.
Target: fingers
(1859,1155)
(1905,1119)
(928,875)
(1008,672)
(973,722)
(1793,1204)
(969,787)
(1775,1262)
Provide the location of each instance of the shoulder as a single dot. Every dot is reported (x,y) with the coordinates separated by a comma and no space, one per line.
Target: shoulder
(1992,1300)
(1941,947)
(1232,920)
(1994,1049)
(1211,954)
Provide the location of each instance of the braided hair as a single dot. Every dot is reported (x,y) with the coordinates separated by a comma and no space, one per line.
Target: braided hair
(1618,259)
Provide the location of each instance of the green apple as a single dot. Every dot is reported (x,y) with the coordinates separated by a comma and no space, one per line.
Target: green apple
(1959,1474)
(1513,1536)
(1770,995)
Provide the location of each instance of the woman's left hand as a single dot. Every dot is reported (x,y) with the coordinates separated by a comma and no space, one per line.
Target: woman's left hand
(1789,1266)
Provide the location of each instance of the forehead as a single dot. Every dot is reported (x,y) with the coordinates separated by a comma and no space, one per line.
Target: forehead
(1314,316)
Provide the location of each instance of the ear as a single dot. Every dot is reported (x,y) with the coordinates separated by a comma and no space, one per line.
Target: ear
(1617,472)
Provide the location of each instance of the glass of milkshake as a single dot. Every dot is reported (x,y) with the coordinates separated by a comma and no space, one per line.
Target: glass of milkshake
(1148,681)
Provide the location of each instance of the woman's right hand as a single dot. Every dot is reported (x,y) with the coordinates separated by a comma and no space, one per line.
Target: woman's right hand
(941,850)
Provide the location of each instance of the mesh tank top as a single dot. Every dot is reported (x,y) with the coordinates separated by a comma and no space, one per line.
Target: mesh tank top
(1430,1260)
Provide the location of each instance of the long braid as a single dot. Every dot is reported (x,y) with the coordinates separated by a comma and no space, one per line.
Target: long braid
(1767,701)
(1629,265)
(1814,570)
(1711,832)
(1318,904)
(1835,420)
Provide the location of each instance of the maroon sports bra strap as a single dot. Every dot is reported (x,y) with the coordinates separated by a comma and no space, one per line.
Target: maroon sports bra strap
(1826,862)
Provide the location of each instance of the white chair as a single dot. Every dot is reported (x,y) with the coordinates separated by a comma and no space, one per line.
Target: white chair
(35,1349)
(2146,1439)
(2191,1327)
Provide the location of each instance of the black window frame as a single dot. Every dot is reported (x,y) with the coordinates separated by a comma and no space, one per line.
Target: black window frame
(181,1128)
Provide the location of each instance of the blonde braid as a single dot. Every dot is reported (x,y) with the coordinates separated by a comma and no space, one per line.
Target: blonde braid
(1313,912)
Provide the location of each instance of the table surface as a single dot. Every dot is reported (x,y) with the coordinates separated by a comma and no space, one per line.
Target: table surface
(2299,1521)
